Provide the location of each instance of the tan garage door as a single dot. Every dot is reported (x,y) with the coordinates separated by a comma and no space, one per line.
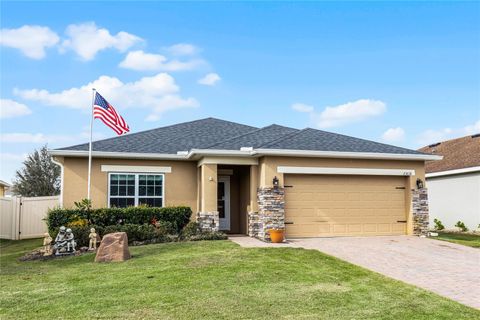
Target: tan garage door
(337,205)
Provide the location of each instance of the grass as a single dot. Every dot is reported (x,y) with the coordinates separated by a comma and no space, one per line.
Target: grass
(209,280)
(466,239)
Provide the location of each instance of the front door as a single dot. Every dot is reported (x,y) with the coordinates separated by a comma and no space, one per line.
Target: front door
(223,202)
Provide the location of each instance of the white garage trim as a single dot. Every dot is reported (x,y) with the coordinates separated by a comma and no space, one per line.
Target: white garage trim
(347,171)
(451,172)
(116,168)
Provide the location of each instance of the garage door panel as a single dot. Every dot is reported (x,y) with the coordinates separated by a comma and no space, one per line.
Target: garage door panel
(333,205)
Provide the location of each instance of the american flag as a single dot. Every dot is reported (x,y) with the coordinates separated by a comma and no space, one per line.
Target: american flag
(106,112)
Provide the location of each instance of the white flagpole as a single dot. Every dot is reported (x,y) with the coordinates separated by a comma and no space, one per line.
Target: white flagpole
(90,146)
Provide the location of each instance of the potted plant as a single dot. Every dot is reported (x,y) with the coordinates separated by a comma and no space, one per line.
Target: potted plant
(276,235)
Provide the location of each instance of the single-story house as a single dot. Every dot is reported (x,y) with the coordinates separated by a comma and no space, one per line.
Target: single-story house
(4,187)
(454,182)
(247,180)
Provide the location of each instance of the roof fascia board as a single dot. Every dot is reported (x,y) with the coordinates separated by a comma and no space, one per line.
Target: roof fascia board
(228,160)
(196,154)
(340,154)
(452,172)
(124,155)
(346,171)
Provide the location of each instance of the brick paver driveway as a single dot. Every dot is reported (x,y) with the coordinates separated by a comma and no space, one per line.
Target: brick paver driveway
(445,268)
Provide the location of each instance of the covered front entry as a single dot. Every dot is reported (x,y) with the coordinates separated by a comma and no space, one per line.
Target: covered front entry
(344,205)
(233,198)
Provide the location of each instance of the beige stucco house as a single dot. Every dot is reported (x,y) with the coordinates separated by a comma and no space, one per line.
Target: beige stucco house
(247,180)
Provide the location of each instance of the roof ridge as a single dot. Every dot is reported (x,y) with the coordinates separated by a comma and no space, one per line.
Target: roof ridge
(449,140)
(288,135)
(238,136)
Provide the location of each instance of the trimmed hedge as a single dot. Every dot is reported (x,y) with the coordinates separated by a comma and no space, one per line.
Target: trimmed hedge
(176,218)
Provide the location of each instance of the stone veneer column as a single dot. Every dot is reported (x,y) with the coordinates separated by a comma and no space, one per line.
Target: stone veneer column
(208,221)
(420,211)
(270,215)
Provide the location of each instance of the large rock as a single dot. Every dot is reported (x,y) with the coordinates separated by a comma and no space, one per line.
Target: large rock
(114,247)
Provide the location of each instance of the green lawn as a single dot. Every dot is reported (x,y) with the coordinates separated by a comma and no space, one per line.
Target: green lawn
(471,240)
(209,280)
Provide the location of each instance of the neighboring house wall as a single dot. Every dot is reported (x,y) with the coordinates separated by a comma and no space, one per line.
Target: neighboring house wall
(2,191)
(180,184)
(455,197)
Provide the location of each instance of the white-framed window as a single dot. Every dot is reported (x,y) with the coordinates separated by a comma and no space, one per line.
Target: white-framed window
(133,189)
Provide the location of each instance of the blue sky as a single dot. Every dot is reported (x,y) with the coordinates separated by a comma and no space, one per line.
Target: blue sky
(401,73)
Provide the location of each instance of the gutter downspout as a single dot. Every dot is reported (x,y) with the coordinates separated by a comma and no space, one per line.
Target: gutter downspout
(61,180)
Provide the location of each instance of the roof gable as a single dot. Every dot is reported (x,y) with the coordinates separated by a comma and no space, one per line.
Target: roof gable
(255,138)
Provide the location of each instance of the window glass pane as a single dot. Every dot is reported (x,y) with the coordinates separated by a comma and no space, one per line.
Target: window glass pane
(141,179)
(122,179)
(150,179)
(114,179)
(150,191)
(158,179)
(151,202)
(131,190)
(122,191)
(131,179)
(113,190)
(142,191)
(158,191)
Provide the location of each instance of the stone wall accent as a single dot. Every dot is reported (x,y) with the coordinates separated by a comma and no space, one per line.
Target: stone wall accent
(208,221)
(270,215)
(420,211)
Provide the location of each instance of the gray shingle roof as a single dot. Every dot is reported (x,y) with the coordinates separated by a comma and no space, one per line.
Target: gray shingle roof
(318,140)
(211,133)
(185,136)
(255,138)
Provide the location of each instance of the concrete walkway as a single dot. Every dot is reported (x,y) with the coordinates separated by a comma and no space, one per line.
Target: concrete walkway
(448,269)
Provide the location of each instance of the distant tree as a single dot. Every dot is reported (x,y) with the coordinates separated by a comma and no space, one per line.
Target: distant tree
(39,177)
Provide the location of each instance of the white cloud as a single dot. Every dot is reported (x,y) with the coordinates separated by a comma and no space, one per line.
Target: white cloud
(350,112)
(158,93)
(86,40)
(183,49)
(209,79)
(30,40)
(394,135)
(301,107)
(12,109)
(142,61)
(430,136)
(33,138)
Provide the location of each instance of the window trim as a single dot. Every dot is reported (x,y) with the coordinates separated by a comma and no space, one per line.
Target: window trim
(136,197)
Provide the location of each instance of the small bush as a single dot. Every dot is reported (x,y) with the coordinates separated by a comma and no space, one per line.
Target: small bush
(192,232)
(438,224)
(461,225)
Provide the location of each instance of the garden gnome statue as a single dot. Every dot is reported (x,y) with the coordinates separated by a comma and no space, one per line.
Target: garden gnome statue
(47,244)
(92,245)
(70,241)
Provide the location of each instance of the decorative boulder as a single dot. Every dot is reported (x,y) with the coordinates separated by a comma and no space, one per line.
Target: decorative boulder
(114,247)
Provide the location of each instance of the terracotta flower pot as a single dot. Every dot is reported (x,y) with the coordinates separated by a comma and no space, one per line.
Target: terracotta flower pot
(276,235)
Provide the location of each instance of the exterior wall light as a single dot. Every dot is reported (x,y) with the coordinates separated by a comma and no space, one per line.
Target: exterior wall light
(419,183)
(275,182)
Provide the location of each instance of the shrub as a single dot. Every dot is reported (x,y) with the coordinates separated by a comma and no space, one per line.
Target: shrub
(192,232)
(172,218)
(461,225)
(438,224)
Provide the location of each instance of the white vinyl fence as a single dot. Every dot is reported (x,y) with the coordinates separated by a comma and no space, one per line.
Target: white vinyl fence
(22,217)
